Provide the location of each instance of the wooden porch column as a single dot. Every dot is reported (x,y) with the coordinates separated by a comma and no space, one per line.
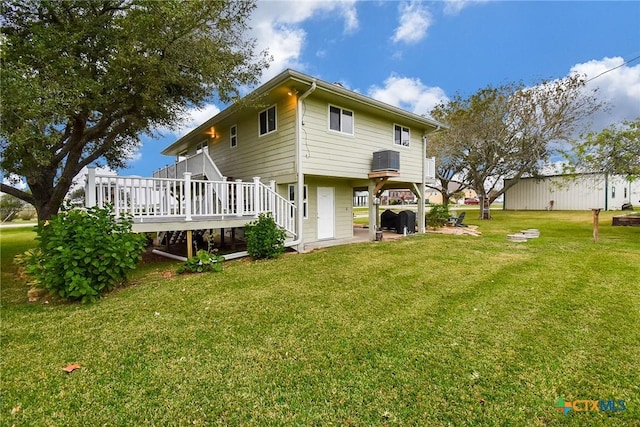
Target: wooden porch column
(189,243)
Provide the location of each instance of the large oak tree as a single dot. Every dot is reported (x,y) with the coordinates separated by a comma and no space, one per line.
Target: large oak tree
(507,131)
(82,80)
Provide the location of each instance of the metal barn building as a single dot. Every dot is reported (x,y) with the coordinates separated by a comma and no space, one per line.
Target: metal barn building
(570,192)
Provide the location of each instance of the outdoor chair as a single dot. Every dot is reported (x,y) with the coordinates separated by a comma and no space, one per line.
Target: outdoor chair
(459,220)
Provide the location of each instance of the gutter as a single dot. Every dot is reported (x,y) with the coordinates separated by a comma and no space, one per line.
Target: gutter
(300,178)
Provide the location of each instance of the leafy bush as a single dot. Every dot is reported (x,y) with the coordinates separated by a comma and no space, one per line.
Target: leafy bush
(203,261)
(82,254)
(265,239)
(437,216)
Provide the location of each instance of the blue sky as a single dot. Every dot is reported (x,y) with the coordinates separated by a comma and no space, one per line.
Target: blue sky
(416,54)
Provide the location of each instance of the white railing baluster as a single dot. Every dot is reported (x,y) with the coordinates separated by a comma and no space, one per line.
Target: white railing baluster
(239,198)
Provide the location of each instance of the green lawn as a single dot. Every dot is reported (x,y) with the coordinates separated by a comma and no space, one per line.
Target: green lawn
(429,330)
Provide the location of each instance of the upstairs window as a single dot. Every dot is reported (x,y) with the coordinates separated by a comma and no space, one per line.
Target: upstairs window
(267,119)
(401,135)
(233,132)
(340,120)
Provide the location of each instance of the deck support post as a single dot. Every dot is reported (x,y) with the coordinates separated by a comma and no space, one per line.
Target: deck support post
(189,243)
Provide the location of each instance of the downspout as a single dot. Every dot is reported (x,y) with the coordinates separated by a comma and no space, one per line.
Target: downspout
(300,178)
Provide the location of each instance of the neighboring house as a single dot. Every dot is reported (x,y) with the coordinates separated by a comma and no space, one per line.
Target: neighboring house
(572,192)
(398,197)
(435,197)
(298,147)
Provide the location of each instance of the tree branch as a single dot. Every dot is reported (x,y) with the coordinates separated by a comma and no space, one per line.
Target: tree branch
(22,195)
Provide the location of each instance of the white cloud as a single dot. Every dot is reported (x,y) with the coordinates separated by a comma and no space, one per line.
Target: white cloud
(619,87)
(276,27)
(415,20)
(454,7)
(408,93)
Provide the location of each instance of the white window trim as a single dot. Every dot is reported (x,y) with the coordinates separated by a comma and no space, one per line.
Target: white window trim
(341,132)
(305,200)
(275,108)
(231,136)
(401,129)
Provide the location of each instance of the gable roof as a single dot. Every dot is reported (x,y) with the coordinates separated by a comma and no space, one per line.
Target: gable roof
(290,80)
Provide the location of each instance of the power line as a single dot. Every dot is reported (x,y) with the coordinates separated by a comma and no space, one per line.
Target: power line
(611,69)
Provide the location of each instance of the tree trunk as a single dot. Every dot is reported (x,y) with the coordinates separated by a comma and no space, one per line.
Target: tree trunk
(485,202)
(48,198)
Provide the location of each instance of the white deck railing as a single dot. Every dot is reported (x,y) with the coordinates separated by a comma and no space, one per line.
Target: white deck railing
(185,199)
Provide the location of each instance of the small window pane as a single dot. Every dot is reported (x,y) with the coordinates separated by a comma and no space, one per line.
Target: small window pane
(347,121)
(234,136)
(334,118)
(405,137)
(401,136)
(263,123)
(271,112)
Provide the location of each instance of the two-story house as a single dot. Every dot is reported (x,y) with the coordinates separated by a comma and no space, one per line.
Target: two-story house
(297,146)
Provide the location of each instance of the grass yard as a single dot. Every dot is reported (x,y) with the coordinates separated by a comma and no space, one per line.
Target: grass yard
(429,330)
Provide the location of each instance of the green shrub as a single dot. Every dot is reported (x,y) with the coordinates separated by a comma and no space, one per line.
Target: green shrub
(265,239)
(82,254)
(437,216)
(203,261)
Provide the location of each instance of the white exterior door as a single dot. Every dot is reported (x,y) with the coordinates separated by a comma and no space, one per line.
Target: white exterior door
(326,213)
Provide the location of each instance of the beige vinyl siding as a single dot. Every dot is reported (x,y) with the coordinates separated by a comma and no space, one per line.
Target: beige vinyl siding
(327,152)
(270,156)
(343,204)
